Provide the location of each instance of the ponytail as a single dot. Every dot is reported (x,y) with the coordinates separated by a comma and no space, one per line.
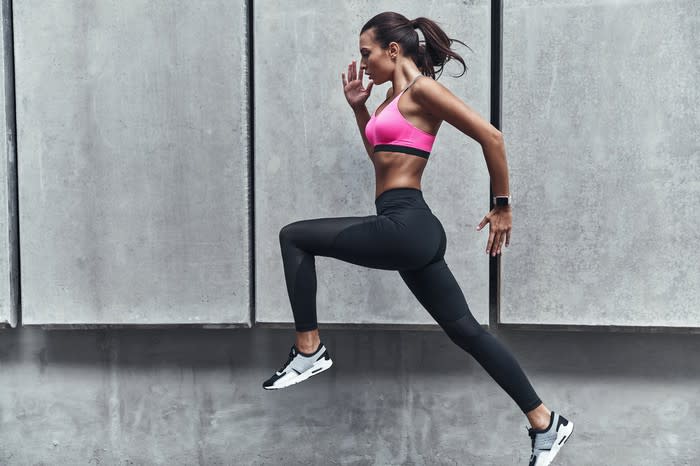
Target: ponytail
(436,52)
(430,55)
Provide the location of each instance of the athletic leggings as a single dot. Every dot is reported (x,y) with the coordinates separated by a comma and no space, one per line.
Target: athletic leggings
(407,237)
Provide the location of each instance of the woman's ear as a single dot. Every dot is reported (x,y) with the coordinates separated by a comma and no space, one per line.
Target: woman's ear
(393,50)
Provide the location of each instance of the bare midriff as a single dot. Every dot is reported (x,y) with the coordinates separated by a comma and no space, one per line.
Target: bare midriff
(397,170)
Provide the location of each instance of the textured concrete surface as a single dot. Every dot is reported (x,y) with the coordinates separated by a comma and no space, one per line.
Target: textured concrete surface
(9,299)
(133,151)
(186,397)
(310,161)
(120,225)
(600,116)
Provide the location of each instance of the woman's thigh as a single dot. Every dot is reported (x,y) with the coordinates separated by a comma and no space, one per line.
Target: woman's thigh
(438,291)
(374,241)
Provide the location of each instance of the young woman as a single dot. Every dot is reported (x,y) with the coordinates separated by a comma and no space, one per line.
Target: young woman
(405,235)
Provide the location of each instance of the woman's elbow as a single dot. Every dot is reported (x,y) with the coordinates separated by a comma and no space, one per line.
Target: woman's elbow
(493,138)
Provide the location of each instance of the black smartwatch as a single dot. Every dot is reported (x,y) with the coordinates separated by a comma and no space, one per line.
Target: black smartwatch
(499,201)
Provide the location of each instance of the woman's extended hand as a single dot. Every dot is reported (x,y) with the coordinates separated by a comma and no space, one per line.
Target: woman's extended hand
(355,93)
(501,220)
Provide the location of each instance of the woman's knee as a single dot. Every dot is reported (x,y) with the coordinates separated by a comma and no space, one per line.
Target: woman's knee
(284,233)
(464,332)
(288,231)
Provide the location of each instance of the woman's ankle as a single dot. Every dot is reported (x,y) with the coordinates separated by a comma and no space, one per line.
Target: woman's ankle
(309,341)
(539,417)
(308,347)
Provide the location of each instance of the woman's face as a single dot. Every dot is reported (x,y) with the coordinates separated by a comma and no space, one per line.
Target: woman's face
(375,61)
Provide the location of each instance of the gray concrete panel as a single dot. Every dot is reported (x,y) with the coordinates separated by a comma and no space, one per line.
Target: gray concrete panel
(9,286)
(194,397)
(600,115)
(310,161)
(133,152)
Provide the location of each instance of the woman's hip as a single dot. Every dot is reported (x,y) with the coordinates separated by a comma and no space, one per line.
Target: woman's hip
(399,238)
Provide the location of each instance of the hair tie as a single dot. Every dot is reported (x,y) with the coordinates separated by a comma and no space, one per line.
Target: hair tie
(414,23)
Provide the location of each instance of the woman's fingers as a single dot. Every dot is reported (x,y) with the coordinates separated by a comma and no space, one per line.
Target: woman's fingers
(495,243)
(352,74)
(501,238)
(497,236)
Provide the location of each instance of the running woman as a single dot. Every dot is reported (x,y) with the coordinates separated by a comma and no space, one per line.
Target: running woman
(404,235)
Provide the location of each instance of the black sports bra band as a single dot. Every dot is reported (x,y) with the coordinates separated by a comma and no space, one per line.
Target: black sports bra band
(404,149)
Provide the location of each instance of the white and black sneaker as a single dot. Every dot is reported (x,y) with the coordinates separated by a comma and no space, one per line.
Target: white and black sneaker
(299,367)
(547,442)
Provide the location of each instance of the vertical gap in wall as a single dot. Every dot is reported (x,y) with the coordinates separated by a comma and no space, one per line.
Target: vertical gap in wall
(251,163)
(11,152)
(496,93)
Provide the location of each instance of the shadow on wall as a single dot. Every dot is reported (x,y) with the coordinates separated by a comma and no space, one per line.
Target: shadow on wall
(628,355)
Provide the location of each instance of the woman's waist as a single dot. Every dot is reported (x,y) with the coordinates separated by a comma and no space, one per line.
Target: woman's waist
(401,198)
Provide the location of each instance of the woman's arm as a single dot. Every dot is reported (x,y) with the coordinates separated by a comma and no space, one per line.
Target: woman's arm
(437,100)
(362,117)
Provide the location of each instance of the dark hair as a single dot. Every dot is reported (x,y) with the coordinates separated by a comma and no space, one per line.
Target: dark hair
(394,27)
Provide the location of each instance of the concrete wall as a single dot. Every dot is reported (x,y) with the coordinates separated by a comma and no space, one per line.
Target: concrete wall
(194,396)
(600,115)
(9,268)
(133,195)
(310,161)
(133,162)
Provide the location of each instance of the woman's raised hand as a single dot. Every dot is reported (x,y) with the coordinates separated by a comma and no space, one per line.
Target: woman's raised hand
(355,93)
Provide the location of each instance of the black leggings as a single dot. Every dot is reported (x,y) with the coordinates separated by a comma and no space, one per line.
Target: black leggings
(403,236)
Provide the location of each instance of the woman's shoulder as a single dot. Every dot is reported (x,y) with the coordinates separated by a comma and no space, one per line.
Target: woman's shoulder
(432,94)
(427,84)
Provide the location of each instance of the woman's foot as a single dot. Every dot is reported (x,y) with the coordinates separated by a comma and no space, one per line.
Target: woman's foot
(299,367)
(546,442)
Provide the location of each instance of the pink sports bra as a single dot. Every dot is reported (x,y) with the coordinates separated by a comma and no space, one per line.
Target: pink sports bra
(390,131)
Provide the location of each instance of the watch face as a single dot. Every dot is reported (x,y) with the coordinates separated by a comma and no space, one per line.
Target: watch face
(501,201)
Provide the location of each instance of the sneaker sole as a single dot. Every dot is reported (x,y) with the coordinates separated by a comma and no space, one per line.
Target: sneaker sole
(562,436)
(318,367)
